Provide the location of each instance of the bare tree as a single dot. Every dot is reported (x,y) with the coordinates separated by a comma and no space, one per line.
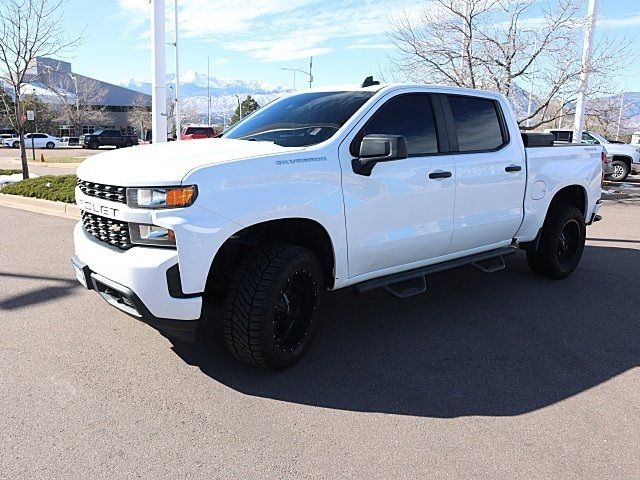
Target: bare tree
(80,98)
(498,45)
(140,115)
(28,29)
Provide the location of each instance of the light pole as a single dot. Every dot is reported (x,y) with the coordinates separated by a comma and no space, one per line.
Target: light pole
(578,125)
(533,73)
(294,70)
(177,91)
(239,107)
(620,116)
(158,73)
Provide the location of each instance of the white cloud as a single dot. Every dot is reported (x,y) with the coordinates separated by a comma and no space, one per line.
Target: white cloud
(278,30)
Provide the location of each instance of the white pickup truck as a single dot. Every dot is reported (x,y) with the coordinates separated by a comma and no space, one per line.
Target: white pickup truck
(363,187)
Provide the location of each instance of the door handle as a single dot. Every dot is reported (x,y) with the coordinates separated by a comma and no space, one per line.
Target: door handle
(513,168)
(439,174)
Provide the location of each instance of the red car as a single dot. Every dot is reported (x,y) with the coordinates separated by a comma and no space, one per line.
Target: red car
(193,133)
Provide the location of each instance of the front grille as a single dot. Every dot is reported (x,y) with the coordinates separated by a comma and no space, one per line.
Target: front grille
(107,192)
(107,230)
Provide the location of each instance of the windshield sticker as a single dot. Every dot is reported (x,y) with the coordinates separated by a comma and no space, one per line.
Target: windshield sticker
(301,160)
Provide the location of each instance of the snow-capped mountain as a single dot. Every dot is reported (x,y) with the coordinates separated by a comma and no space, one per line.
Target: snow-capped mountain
(194,93)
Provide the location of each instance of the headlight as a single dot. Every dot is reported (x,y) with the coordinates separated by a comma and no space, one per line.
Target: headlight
(170,197)
(142,234)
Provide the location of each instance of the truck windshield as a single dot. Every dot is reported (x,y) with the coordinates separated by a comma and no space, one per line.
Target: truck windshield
(300,120)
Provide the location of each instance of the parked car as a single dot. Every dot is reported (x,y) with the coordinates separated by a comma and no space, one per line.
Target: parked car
(110,138)
(40,140)
(195,132)
(625,158)
(369,187)
(8,133)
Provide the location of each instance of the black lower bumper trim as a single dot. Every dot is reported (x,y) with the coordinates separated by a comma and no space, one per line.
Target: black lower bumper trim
(126,300)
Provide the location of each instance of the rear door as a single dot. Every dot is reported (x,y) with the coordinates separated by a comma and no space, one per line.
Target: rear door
(403,212)
(490,172)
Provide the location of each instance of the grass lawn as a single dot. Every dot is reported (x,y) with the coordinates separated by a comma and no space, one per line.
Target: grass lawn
(49,187)
(52,159)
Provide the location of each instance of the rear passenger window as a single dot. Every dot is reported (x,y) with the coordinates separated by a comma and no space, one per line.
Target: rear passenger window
(477,123)
(408,115)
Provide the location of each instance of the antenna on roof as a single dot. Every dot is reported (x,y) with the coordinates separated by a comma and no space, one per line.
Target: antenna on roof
(369,81)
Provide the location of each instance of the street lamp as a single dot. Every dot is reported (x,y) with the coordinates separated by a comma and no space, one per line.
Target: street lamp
(294,70)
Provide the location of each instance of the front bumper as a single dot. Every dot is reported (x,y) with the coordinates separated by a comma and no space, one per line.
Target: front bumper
(136,282)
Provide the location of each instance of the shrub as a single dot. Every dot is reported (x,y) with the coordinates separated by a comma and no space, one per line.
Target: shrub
(4,171)
(49,187)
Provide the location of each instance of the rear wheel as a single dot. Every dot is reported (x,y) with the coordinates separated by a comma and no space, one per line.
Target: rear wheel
(561,244)
(271,310)
(128,143)
(620,170)
(93,145)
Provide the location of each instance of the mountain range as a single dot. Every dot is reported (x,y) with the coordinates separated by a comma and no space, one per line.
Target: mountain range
(225,94)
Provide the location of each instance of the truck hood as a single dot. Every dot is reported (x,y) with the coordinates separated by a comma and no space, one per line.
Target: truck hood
(622,149)
(168,163)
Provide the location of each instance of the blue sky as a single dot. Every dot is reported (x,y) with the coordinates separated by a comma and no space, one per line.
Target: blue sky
(251,40)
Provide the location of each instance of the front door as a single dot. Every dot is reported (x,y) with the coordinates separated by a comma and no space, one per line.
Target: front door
(403,212)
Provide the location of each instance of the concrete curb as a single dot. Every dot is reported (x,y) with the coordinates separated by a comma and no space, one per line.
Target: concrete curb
(38,205)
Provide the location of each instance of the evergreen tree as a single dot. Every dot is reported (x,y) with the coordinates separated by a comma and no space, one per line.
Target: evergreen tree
(247,107)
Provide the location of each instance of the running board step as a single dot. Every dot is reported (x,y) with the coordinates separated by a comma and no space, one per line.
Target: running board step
(492,266)
(475,260)
(410,291)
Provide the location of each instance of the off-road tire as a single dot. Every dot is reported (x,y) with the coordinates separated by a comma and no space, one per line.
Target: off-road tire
(561,244)
(620,171)
(254,310)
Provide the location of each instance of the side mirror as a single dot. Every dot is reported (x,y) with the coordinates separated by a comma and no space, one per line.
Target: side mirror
(379,148)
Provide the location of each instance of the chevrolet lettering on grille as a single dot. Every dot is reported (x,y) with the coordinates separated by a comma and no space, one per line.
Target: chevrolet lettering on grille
(99,209)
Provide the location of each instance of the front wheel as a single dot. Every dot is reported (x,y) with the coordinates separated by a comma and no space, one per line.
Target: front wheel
(50,145)
(16,144)
(94,146)
(271,310)
(561,244)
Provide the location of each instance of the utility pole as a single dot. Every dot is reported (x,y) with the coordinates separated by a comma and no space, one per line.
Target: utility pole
(158,73)
(177,107)
(578,126)
(310,71)
(208,94)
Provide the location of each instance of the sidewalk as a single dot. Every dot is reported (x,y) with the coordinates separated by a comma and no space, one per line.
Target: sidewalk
(40,168)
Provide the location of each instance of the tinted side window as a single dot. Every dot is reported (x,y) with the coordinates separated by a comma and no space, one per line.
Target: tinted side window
(408,115)
(477,123)
(563,136)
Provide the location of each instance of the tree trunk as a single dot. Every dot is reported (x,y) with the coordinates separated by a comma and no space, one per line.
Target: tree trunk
(20,125)
(23,155)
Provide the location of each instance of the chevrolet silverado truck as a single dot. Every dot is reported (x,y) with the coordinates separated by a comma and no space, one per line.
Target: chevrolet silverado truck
(108,138)
(375,186)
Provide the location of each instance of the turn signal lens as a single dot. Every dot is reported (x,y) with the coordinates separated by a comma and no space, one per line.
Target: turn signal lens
(180,197)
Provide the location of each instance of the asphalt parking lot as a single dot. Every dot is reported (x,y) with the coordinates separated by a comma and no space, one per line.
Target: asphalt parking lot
(486,376)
